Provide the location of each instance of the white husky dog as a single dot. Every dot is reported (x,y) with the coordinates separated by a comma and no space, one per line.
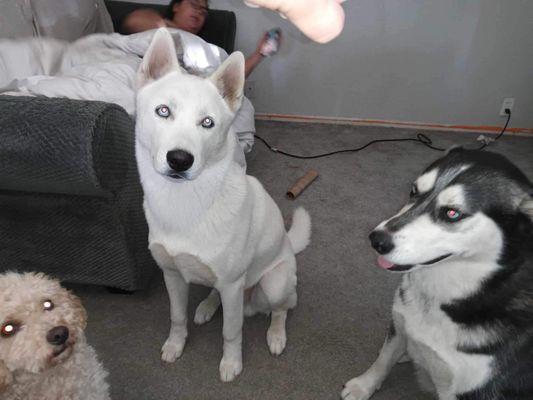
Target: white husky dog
(209,222)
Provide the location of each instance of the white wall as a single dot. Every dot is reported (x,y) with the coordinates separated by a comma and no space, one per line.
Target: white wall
(439,61)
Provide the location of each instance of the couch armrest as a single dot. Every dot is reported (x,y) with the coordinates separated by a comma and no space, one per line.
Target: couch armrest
(219,29)
(57,145)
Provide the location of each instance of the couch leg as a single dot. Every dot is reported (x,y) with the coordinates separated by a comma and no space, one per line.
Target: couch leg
(115,290)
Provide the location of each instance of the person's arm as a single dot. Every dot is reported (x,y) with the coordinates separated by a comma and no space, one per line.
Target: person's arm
(142,20)
(252,62)
(257,56)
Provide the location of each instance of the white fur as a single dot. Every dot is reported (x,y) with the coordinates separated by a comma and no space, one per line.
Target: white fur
(31,368)
(453,197)
(430,333)
(423,240)
(427,181)
(80,377)
(429,337)
(217,227)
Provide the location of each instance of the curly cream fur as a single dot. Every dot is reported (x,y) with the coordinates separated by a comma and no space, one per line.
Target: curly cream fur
(30,367)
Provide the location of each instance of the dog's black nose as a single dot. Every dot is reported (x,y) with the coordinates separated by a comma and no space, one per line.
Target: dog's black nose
(381,241)
(179,160)
(57,335)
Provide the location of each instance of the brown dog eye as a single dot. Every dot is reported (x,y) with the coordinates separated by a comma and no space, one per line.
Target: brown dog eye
(9,329)
(48,305)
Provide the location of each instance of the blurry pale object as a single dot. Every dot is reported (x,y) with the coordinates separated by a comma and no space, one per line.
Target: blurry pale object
(320,20)
(61,19)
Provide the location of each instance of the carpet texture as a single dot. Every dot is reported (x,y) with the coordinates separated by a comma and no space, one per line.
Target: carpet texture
(344,305)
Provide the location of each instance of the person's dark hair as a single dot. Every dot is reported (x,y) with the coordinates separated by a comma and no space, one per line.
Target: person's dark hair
(169,12)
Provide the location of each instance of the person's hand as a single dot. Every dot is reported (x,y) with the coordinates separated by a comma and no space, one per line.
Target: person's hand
(267,47)
(320,20)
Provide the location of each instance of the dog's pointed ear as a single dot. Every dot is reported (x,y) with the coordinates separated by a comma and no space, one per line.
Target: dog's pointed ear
(5,377)
(229,80)
(159,59)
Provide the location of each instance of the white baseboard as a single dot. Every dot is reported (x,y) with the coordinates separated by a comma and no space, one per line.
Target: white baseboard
(392,124)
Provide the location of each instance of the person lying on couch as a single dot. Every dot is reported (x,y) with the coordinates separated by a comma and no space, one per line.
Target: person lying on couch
(190,16)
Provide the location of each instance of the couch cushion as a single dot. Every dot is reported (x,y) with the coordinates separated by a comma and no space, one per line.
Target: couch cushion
(56,145)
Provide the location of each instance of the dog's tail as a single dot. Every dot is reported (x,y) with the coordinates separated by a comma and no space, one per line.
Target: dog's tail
(300,232)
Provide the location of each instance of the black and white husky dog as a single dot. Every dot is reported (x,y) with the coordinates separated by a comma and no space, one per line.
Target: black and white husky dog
(463,312)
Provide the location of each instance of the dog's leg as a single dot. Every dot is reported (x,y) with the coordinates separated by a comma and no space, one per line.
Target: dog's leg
(276,334)
(178,293)
(362,387)
(279,286)
(207,308)
(232,297)
(255,302)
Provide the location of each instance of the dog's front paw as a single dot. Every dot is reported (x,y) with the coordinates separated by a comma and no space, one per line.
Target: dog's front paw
(172,350)
(355,390)
(230,369)
(276,339)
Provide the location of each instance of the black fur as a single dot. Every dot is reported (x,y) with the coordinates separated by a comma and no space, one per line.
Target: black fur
(486,170)
(402,294)
(504,303)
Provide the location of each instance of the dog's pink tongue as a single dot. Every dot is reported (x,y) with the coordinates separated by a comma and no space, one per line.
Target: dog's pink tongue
(384,263)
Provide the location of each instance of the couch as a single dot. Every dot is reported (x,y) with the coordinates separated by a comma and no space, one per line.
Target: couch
(70,197)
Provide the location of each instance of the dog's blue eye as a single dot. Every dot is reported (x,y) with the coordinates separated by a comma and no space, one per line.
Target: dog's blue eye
(48,305)
(452,214)
(163,111)
(9,329)
(208,123)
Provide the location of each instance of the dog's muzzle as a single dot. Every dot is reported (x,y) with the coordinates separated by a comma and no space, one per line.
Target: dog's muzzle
(58,337)
(382,242)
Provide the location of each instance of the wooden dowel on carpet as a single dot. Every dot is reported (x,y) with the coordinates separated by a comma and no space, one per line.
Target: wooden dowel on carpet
(301,184)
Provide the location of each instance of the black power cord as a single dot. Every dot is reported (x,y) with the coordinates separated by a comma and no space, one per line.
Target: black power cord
(420,138)
(486,141)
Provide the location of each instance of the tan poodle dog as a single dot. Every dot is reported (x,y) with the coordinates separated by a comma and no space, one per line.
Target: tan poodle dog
(43,351)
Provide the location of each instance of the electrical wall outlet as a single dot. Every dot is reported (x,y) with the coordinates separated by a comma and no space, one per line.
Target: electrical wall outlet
(249,89)
(508,102)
